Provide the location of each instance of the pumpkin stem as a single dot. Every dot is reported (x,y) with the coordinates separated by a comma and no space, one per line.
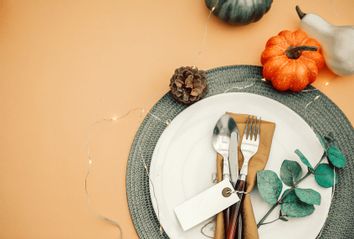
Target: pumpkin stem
(300,13)
(294,52)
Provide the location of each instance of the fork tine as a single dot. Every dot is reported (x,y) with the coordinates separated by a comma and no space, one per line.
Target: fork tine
(250,127)
(254,127)
(258,129)
(260,121)
(246,131)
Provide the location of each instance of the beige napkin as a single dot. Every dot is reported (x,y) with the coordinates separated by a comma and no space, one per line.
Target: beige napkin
(258,162)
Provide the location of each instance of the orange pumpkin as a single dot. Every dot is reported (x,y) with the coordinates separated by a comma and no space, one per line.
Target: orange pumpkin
(291,60)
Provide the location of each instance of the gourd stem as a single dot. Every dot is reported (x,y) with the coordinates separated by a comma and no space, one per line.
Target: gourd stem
(300,13)
(294,52)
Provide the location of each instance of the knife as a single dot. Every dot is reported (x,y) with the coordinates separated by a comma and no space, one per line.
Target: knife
(233,162)
(233,166)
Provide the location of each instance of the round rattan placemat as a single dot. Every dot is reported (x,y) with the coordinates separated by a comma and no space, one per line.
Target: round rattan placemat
(323,115)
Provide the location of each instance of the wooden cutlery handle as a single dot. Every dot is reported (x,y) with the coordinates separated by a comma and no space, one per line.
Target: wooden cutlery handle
(219,227)
(239,227)
(235,211)
(226,214)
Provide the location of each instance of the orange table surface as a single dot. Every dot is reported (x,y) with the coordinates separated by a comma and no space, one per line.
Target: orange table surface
(66,64)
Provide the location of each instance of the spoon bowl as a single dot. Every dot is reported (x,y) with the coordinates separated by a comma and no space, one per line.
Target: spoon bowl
(222,134)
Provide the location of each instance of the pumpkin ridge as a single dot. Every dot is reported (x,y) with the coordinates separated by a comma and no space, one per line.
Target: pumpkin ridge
(280,47)
(276,41)
(288,35)
(303,42)
(283,78)
(280,67)
(307,69)
(311,74)
(309,58)
(317,57)
(300,36)
(302,81)
(293,80)
(312,42)
(272,51)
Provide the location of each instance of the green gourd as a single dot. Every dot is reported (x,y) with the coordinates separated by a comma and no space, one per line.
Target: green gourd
(240,12)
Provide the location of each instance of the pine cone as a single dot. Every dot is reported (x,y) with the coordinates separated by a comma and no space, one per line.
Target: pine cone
(188,85)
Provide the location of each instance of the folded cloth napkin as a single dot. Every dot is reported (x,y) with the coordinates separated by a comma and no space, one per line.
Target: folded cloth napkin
(258,162)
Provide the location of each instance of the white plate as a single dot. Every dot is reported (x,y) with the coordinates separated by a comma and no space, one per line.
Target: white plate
(183,162)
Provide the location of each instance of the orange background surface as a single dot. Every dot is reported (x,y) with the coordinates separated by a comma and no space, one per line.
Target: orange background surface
(66,64)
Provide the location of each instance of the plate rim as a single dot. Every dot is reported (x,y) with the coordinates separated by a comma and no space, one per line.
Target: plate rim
(204,101)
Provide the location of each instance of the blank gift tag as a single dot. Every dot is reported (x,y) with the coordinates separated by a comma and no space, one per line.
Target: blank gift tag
(206,204)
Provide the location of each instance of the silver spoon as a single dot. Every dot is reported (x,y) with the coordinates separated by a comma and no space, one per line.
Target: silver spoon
(221,140)
(221,143)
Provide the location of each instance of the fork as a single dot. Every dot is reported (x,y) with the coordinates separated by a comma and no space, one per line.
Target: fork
(249,147)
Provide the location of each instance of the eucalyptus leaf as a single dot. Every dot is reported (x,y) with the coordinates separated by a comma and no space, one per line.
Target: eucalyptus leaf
(322,141)
(303,159)
(293,207)
(289,196)
(329,138)
(269,186)
(308,196)
(324,175)
(290,172)
(336,157)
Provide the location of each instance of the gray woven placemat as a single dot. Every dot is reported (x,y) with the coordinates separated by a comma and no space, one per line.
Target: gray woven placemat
(323,115)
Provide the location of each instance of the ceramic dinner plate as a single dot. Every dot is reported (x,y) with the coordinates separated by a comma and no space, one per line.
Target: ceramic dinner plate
(184,162)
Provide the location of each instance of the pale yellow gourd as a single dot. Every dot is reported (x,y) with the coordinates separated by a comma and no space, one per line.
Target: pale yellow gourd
(337,42)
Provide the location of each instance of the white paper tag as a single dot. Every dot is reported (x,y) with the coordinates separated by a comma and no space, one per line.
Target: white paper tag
(206,204)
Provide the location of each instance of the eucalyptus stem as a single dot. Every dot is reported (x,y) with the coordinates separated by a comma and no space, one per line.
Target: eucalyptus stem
(265,223)
(261,222)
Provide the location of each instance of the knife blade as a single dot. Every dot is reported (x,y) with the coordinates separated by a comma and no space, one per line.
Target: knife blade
(233,156)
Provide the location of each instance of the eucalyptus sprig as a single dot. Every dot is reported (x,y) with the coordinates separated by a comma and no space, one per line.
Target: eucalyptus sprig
(296,201)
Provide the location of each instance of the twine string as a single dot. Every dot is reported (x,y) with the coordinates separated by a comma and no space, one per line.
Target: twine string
(203,41)
(142,111)
(90,162)
(241,87)
(202,230)
(142,160)
(165,122)
(92,210)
